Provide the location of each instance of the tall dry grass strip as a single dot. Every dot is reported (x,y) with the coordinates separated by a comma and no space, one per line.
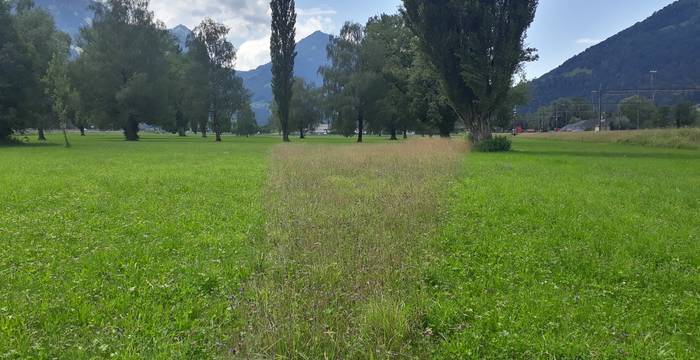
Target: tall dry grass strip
(347,227)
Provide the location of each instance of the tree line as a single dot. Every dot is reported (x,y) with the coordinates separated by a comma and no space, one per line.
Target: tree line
(129,70)
(426,69)
(634,112)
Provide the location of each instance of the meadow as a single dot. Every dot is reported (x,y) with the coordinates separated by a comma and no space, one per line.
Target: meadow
(185,248)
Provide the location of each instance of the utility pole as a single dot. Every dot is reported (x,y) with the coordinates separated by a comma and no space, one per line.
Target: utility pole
(639,103)
(600,107)
(653,73)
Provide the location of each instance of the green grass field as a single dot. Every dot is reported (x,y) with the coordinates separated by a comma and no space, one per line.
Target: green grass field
(184,248)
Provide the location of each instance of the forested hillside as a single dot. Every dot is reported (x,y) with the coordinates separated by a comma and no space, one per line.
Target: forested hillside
(666,42)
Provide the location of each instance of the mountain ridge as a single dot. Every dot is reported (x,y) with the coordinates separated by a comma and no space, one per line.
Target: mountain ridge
(311,55)
(665,42)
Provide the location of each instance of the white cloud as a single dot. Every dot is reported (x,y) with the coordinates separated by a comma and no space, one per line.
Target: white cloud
(316,12)
(253,53)
(245,17)
(588,41)
(308,25)
(249,21)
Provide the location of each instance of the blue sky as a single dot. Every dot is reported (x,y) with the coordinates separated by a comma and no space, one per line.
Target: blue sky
(562,28)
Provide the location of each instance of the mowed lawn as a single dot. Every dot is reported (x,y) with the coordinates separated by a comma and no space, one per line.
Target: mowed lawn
(570,250)
(126,249)
(145,250)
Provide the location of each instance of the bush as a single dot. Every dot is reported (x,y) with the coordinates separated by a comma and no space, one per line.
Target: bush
(497,144)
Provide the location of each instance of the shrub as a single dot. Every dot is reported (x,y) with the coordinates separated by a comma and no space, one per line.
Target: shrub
(497,144)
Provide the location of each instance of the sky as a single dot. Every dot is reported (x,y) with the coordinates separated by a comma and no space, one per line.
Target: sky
(562,28)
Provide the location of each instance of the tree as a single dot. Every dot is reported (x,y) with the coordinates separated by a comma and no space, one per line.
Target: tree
(224,89)
(428,104)
(197,90)
(388,52)
(246,124)
(476,48)
(305,110)
(178,92)
(282,51)
(76,109)
(685,114)
(124,66)
(517,96)
(640,111)
(15,67)
(349,86)
(559,113)
(42,42)
(665,117)
(59,90)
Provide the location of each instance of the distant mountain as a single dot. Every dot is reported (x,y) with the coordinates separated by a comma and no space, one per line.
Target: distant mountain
(71,15)
(666,42)
(181,33)
(311,54)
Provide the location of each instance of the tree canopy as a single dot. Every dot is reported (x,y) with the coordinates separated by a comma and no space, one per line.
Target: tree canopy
(476,48)
(124,66)
(15,67)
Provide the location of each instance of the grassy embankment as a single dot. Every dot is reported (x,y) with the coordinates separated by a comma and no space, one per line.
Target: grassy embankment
(667,138)
(181,248)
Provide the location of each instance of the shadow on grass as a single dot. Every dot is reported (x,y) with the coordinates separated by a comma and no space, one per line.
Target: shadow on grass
(616,155)
(173,138)
(26,144)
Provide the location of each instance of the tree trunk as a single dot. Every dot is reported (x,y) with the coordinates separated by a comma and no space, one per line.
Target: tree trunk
(285,128)
(444,132)
(301,133)
(480,133)
(181,131)
(203,129)
(131,131)
(360,127)
(218,136)
(392,131)
(478,126)
(405,134)
(65,136)
(42,136)
(82,130)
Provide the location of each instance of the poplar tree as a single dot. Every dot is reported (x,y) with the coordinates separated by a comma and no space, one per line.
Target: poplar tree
(282,51)
(476,47)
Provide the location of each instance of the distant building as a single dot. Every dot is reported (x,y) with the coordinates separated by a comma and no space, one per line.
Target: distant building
(321,129)
(583,125)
